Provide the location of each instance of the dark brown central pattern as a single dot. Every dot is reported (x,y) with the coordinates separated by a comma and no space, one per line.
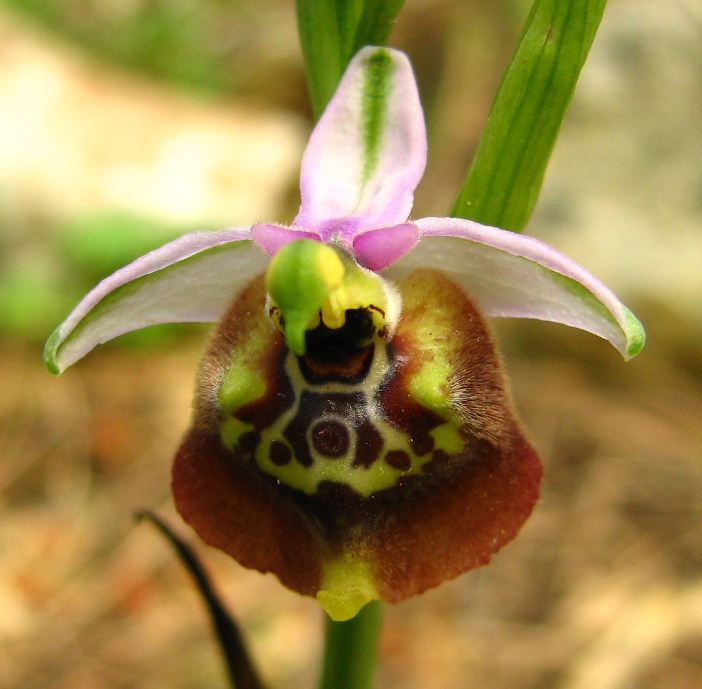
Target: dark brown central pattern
(330,436)
(399,459)
(342,354)
(279,453)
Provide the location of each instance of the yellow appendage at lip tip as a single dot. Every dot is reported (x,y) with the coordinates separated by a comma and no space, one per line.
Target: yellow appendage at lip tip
(346,587)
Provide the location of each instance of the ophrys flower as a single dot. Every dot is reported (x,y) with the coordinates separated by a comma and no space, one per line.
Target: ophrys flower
(352,432)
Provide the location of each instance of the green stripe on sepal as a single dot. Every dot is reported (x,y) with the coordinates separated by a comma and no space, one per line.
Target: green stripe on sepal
(376,94)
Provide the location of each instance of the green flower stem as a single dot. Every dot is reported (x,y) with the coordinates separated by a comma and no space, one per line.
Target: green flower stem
(332,32)
(504,181)
(350,651)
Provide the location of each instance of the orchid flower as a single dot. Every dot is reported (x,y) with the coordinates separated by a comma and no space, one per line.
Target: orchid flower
(352,432)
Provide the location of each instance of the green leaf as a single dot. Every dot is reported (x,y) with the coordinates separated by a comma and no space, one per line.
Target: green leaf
(332,32)
(504,181)
(322,50)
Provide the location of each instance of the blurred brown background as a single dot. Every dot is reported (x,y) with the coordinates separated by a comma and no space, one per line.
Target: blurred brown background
(125,123)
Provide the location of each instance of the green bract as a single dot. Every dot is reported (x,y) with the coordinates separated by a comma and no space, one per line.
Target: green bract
(508,168)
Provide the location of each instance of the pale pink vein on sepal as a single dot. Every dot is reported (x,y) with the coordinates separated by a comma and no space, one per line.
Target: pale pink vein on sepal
(377,249)
(335,198)
(194,294)
(512,275)
(271,237)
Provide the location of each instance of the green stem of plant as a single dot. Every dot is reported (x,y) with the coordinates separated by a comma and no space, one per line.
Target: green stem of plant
(351,649)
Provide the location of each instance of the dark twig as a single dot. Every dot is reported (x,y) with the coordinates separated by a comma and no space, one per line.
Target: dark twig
(241,668)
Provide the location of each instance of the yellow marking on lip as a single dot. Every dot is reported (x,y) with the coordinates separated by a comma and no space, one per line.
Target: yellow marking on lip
(240,387)
(232,429)
(447,437)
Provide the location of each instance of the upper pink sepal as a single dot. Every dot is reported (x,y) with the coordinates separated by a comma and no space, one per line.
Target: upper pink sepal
(377,249)
(271,237)
(367,153)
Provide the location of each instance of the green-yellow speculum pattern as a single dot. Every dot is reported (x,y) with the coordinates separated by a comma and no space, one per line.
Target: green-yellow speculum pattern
(337,424)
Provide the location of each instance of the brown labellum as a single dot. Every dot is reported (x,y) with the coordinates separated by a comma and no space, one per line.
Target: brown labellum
(446,513)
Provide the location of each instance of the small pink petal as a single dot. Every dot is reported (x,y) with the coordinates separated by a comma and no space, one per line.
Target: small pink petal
(377,249)
(271,237)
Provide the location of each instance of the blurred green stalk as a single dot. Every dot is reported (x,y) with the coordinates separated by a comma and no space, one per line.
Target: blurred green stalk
(350,651)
